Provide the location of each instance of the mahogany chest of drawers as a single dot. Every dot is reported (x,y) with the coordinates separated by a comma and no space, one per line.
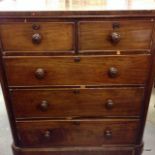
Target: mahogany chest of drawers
(77,82)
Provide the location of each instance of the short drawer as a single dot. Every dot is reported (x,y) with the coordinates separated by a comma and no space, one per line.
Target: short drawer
(82,70)
(77,133)
(115,35)
(47,36)
(32,103)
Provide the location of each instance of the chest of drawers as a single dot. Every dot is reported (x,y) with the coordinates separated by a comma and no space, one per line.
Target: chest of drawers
(77,82)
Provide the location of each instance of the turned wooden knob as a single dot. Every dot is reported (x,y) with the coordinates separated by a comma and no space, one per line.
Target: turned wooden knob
(109,104)
(108,133)
(36,38)
(43,105)
(113,72)
(40,73)
(47,134)
(115,37)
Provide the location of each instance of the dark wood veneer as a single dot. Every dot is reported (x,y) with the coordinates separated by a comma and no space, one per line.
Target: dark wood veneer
(89,70)
(50,36)
(74,75)
(97,35)
(77,132)
(111,102)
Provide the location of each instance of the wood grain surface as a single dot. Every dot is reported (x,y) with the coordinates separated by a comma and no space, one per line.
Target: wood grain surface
(96,35)
(97,102)
(55,36)
(77,133)
(82,70)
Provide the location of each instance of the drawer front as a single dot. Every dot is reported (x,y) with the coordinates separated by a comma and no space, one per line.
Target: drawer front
(77,102)
(77,133)
(82,70)
(50,36)
(111,35)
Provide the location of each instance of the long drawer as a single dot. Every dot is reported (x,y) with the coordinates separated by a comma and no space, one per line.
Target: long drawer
(82,70)
(77,132)
(28,103)
(47,36)
(115,35)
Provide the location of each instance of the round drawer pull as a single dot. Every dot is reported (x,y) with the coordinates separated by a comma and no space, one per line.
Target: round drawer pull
(109,104)
(108,134)
(113,72)
(115,37)
(36,26)
(36,38)
(44,105)
(40,73)
(47,134)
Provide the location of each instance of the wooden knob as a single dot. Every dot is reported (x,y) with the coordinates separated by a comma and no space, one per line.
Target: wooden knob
(115,37)
(109,104)
(108,133)
(40,73)
(44,105)
(36,38)
(47,134)
(113,72)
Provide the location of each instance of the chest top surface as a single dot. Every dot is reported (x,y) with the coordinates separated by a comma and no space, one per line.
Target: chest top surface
(75,5)
(72,8)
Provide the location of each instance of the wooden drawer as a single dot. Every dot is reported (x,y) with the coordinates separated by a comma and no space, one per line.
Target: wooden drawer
(77,102)
(47,36)
(115,35)
(77,132)
(83,70)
